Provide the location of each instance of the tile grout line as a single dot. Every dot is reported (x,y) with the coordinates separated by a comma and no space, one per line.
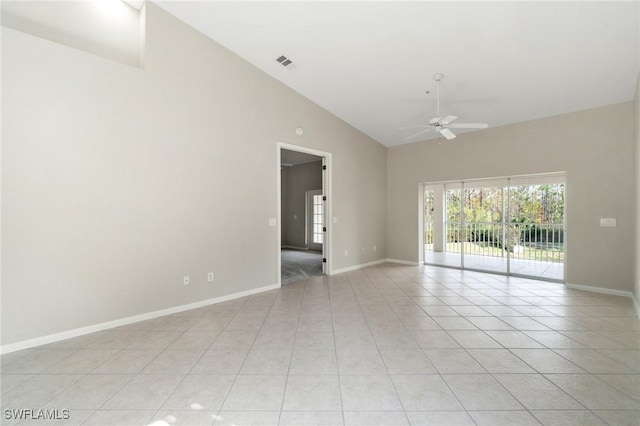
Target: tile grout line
(395,389)
(295,336)
(335,347)
(237,374)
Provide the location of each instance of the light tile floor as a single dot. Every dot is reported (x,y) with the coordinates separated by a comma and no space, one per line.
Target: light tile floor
(387,345)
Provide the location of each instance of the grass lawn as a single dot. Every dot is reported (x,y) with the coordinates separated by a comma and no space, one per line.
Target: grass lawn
(525,253)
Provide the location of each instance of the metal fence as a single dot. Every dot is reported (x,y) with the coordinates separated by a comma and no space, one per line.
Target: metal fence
(525,241)
(428,235)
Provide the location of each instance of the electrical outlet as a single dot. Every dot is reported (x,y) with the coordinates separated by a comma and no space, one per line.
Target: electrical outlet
(210,277)
(609,222)
(185,280)
(364,250)
(374,248)
(346,253)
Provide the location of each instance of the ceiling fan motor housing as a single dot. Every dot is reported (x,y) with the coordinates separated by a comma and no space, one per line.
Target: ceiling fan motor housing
(443,125)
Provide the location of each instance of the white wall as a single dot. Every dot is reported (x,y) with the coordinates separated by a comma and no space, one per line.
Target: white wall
(115,180)
(594,147)
(299,179)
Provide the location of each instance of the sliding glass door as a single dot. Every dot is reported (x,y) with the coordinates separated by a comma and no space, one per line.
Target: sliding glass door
(511,226)
(484,227)
(536,229)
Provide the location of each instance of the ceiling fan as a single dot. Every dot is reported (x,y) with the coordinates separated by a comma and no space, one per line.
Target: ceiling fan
(443,125)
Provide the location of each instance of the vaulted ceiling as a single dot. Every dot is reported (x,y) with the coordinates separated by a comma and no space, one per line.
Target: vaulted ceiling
(370,63)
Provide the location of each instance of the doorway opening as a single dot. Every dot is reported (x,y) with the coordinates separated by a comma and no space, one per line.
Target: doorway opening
(303,209)
(511,226)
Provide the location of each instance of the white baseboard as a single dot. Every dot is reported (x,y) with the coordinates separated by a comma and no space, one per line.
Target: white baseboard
(295,248)
(602,290)
(51,338)
(636,304)
(610,291)
(403,262)
(356,267)
(375,262)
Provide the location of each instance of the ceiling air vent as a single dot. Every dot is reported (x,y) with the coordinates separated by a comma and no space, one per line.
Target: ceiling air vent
(285,62)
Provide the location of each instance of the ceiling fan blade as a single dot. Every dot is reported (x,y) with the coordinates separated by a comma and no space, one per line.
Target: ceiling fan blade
(419,133)
(448,119)
(468,125)
(447,133)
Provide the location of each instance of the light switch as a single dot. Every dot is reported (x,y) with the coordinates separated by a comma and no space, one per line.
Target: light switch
(609,222)
(335,219)
(272,221)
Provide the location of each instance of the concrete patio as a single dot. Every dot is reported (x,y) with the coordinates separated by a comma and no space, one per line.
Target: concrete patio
(533,268)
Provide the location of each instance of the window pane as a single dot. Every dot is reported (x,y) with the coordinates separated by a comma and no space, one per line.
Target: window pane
(317,219)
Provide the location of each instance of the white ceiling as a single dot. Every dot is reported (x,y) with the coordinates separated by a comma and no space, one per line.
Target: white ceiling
(370,63)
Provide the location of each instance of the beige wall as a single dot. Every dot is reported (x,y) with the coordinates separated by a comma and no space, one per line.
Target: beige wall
(115,180)
(594,147)
(636,259)
(299,179)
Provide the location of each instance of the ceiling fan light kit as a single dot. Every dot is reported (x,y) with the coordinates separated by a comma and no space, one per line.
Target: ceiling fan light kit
(442,125)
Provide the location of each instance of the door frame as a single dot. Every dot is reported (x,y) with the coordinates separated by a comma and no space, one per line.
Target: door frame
(326,189)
